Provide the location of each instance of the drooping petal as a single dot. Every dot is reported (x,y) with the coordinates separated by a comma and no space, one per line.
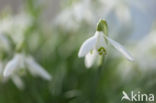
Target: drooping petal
(121,49)
(18,82)
(36,70)
(12,65)
(87,46)
(90,58)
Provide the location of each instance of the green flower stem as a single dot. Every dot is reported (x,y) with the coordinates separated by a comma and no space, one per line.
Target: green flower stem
(97,77)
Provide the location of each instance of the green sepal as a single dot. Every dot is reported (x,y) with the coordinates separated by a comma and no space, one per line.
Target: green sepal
(20,47)
(102,26)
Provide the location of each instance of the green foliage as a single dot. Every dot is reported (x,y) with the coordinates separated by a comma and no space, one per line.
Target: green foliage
(56,50)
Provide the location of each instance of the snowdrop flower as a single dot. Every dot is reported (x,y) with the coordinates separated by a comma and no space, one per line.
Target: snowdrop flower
(97,45)
(20,62)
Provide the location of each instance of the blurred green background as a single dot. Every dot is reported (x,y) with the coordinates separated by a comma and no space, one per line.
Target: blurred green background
(53,32)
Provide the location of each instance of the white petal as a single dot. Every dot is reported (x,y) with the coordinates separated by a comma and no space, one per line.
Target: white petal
(18,82)
(87,46)
(11,66)
(90,58)
(36,69)
(100,42)
(121,49)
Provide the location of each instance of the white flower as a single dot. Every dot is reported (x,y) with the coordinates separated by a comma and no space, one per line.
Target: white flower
(96,45)
(20,61)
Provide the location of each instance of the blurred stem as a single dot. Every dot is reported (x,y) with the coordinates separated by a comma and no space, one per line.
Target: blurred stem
(34,8)
(96,80)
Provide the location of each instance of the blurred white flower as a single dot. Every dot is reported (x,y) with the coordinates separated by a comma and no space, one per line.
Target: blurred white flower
(20,61)
(96,45)
(145,58)
(15,26)
(78,12)
(119,7)
(82,11)
(145,52)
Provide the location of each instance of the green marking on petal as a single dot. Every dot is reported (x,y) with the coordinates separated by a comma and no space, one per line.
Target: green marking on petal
(102,26)
(91,52)
(102,51)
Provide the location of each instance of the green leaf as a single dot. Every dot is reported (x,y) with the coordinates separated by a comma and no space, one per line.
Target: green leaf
(102,26)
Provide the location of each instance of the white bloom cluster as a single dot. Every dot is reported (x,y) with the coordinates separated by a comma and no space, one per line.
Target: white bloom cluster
(14,26)
(80,11)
